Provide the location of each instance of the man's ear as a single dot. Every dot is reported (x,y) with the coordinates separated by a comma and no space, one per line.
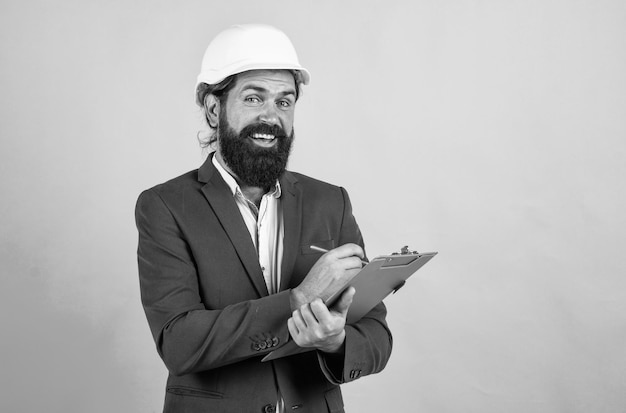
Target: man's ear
(212,110)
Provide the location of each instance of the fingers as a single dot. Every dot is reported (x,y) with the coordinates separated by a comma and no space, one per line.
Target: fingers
(349,256)
(350,262)
(304,318)
(347,250)
(298,319)
(291,326)
(313,316)
(306,312)
(345,301)
(320,312)
(303,327)
(314,325)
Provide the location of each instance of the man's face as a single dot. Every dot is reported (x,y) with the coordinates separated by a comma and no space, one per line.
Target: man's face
(255,127)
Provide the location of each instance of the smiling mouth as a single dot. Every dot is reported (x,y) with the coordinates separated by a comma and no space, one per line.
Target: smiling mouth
(263,139)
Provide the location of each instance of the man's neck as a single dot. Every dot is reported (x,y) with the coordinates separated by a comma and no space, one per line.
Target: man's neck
(252,193)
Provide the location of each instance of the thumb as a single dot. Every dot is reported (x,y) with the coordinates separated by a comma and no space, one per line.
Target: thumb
(345,301)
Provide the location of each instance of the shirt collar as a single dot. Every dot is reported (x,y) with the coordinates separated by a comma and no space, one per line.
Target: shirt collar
(275,191)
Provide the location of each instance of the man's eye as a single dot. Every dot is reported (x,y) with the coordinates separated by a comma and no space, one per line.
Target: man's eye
(253,99)
(284,103)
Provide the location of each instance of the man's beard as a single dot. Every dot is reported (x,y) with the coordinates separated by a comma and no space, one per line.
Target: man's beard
(254,165)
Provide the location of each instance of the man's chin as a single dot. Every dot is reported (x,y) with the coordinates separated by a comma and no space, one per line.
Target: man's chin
(255,161)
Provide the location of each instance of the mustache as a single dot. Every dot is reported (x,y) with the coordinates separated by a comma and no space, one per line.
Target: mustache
(263,128)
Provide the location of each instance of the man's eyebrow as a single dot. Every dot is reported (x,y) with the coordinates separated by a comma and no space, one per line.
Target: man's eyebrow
(261,89)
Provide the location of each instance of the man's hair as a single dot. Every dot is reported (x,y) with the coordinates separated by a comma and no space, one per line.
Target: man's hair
(220,91)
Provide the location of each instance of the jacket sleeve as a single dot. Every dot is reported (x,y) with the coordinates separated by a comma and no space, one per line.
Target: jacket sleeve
(188,336)
(368,342)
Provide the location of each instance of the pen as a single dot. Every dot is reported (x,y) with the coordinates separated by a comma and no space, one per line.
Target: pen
(320,249)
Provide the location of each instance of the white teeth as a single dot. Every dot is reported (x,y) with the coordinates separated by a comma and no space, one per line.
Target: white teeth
(263,136)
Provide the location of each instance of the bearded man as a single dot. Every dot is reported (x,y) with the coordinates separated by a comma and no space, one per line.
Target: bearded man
(226,271)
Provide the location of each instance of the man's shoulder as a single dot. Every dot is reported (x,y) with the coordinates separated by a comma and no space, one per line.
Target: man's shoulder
(175,186)
(309,182)
(315,189)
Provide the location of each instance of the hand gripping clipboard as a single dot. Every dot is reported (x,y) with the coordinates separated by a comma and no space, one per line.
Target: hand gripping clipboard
(382,276)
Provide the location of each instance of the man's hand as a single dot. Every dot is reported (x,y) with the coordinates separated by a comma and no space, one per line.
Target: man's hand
(329,275)
(315,325)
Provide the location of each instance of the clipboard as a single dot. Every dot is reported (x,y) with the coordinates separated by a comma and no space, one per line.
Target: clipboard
(379,278)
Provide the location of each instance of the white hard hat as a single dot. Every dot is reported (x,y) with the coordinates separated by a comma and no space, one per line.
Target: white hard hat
(248,47)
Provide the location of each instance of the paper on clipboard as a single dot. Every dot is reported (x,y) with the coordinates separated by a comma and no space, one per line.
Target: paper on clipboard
(382,276)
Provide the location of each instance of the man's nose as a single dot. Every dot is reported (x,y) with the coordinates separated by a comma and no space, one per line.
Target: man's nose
(269,114)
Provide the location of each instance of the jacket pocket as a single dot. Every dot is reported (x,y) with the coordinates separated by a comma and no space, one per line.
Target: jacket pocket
(188,391)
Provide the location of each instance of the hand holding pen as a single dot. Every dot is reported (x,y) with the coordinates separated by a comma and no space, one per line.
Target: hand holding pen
(320,249)
(329,274)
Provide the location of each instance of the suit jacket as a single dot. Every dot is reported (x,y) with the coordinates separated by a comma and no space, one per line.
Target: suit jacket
(208,307)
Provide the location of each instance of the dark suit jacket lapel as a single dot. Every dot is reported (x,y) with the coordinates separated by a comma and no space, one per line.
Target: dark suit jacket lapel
(221,200)
(291,201)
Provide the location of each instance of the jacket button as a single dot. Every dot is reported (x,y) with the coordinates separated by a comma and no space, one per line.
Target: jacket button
(262,345)
(275,341)
(269,408)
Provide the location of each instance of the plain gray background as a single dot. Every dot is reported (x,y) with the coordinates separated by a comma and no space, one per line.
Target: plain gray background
(491,131)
